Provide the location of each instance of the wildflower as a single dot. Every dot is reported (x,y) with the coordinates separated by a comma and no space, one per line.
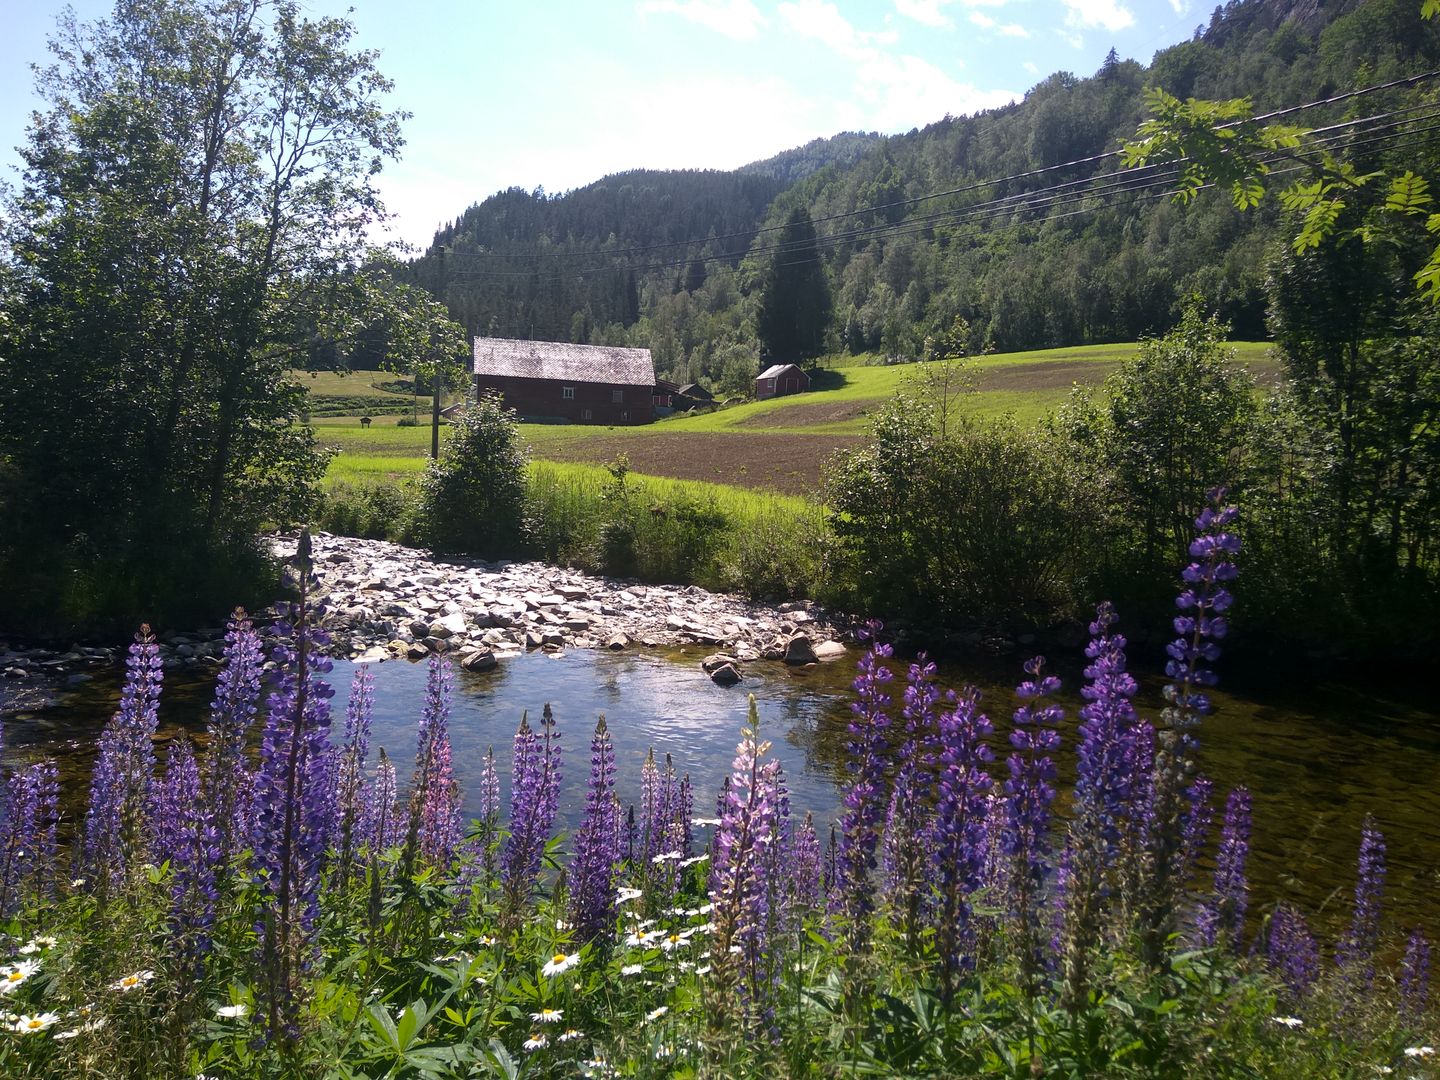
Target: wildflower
(569,1035)
(559,964)
(487,939)
(664,1050)
(632,969)
(229,778)
(536,1041)
(1415,974)
(1419,1051)
(656,1014)
(626,894)
(26,1025)
(1226,912)
(596,1067)
(28,949)
(674,941)
(534,799)
(232,1012)
(597,846)
(547,1016)
(435,803)
(1357,952)
(349,781)
(704,822)
(694,860)
(666,856)
(1291,1022)
(705,970)
(1291,950)
(130,982)
(14,975)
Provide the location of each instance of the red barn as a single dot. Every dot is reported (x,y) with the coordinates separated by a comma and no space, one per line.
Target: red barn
(554,380)
(780,379)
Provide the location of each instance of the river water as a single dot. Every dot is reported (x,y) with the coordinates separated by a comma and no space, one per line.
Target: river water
(1316,756)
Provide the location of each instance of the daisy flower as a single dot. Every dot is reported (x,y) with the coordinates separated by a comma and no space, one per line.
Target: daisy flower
(1288,1021)
(1419,1051)
(130,982)
(559,964)
(626,894)
(13,975)
(232,1012)
(536,1041)
(569,1035)
(547,1016)
(674,941)
(632,969)
(655,1014)
(24,1025)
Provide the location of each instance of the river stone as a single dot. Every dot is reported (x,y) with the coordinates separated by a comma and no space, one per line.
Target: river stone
(373,655)
(618,641)
(573,592)
(417,651)
(552,637)
(436,644)
(419,627)
(725,675)
(533,640)
(451,625)
(830,650)
(577,624)
(478,660)
(715,661)
(798,650)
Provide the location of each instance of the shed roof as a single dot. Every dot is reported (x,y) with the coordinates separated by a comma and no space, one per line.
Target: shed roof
(695,390)
(563,362)
(774,370)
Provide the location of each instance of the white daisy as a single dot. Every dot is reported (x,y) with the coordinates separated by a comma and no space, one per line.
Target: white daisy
(664,1051)
(569,1035)
(701,822)
(486,939)
(559,964)
(596,1067)
(626,894)
(1419,1051)
(703,970)
(13,975)
(1288,1021)
(232,1012)
(25,1025)
(537,1041)
(28,949)
(46,941)
(693,860)
(674,941)
(547,1016)
(655,1014)
(666,856)
(632,969)
(130,982)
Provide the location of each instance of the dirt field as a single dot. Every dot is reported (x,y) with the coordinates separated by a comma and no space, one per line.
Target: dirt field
(791,464)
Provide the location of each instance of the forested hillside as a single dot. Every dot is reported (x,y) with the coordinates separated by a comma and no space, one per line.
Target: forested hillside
(980,218)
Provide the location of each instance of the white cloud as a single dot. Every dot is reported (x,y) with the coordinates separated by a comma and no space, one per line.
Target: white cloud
(895,92)
(738,19)
(980,19)
(924,11)
(985,22)
(1030,67)
(1180,7)
(1092,14)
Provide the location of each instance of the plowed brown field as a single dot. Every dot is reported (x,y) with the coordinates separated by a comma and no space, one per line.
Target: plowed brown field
(791,464)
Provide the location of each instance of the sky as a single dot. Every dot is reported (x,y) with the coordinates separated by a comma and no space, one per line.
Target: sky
(557,93)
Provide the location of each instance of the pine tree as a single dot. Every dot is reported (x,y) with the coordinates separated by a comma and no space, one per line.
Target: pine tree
(795,304)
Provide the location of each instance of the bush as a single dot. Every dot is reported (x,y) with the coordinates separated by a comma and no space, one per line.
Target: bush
(371,511)
(473,498)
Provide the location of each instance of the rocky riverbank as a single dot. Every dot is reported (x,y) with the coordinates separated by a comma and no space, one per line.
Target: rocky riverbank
(382,601)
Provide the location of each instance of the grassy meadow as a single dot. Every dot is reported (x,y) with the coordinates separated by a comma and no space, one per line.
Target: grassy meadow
(779,445)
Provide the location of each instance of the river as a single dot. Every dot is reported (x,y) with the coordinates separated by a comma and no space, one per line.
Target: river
(1317,756)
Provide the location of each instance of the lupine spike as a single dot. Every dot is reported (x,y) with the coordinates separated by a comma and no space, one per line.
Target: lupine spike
(227,777)
(592,875)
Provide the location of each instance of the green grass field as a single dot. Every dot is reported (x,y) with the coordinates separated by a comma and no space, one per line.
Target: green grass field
(805,427)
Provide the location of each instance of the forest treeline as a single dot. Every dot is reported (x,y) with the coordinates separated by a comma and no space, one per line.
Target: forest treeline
(673,260)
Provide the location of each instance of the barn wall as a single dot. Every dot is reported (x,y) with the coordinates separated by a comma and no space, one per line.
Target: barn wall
(544,398)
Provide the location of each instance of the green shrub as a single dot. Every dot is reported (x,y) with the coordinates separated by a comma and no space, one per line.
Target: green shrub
(371,511)
(473,498)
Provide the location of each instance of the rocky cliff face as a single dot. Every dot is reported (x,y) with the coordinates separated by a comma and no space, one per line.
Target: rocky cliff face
(1242,17)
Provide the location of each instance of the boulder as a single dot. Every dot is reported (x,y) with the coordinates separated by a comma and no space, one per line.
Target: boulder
(798,650)
(830,650)
(725,675)
(478,660)
(448,626)
(717,660)
(533,640)
(618,641)
(417,651)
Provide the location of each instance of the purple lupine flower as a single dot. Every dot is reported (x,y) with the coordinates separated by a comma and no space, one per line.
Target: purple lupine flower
(294,809)
(1199,815)
(489,793)
(116,837)
(186,837)
(652,822)
(1291,951)
(806,877)
(597,846)
(959,834)
(435,821)
(744,888)
(350,773)
(1029,793)
(1104,782)
(383,825)
(1224,913)
(1414,978)
(907,836)
(227,779)
(1200,627)
(29,817)
(866,800)
(1357,950)
(534,798)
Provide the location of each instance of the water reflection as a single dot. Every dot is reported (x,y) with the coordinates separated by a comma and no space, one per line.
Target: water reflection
(1316,757)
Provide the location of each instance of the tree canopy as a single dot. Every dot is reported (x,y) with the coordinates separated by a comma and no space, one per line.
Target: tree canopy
(195,199)
(795,305)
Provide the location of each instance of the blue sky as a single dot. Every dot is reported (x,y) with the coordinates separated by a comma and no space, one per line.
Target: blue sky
(556,94)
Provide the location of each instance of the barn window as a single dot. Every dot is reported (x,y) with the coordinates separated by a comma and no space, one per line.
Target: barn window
(617,396)
(567,392)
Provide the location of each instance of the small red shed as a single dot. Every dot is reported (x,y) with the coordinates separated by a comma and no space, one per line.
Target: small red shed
(779,380)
